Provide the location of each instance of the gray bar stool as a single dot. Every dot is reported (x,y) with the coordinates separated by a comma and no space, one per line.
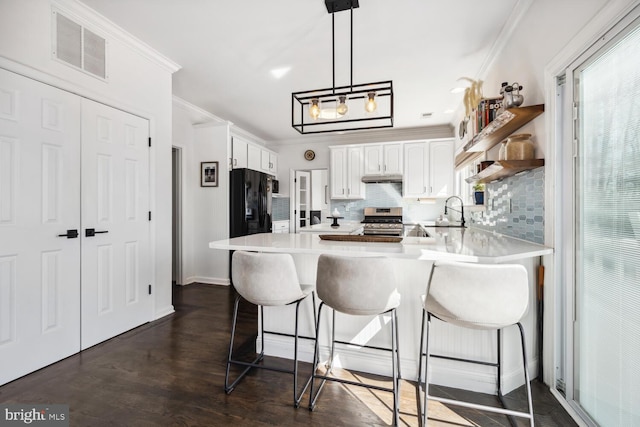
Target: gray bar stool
(267,280)
(361,287)
(487,297)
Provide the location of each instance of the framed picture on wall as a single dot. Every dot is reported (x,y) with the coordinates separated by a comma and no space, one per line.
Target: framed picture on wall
(208,174)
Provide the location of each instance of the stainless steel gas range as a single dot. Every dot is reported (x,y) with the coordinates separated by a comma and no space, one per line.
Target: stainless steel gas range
(383,221)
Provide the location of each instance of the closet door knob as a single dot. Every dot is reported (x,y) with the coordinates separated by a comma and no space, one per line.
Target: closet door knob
(71,234)
(90,232)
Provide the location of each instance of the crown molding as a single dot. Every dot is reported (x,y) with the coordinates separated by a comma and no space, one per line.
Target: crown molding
(381,135)
(511,24)
(207,119)
(204,116)
(237,131)
(88,17)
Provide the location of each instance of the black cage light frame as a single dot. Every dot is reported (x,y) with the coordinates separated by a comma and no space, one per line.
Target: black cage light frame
(382,89)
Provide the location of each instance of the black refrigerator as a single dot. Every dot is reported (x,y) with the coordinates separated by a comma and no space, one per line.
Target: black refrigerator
(250,203)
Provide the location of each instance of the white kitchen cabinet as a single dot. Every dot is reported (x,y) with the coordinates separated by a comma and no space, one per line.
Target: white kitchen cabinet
(268,160)
(273,164)
(392,155)
(347,164)
(265,162)
(441,168)
(239,153)
(428,169)
(416,170)
(319,190)
(383,159)
(254,157)
(373,160)
(338,172)
(355,165)
(280,226)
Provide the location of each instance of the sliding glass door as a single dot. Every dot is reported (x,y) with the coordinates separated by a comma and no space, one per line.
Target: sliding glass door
(606,323)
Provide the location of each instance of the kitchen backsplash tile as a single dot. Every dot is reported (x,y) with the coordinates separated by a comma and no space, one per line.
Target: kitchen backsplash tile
(515,207)
(279,208)
(386,195)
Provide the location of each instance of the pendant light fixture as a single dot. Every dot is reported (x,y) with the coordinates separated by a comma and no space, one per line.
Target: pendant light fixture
(343,108)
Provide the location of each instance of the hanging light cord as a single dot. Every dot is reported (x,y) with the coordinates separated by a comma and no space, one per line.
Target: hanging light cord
(333,50)
(351,51)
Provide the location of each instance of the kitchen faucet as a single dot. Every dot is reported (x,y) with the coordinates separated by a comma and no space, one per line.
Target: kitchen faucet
(461,211)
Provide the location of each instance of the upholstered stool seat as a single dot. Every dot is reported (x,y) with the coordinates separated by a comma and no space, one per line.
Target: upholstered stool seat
(267,280)
(360,287)
(477,296)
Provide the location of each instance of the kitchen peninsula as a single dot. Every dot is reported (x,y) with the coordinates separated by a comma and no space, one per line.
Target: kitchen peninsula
(412,258)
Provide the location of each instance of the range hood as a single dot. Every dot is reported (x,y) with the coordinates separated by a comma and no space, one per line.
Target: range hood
(376,179)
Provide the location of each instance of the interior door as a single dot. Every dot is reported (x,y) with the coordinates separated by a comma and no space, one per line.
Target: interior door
(116,273)
(303,192)
(39,202)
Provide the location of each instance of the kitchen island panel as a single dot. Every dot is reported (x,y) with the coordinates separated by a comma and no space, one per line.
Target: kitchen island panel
(412,270)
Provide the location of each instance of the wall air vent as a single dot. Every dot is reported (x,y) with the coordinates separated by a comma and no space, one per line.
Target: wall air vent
(79,47)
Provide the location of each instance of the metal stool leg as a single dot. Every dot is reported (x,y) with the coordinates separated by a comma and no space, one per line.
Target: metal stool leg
(297,397)
(314,367)
(425,413)
(526,374)
(229,388)
(395,367)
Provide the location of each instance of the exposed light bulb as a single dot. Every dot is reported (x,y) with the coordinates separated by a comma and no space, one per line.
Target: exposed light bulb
(370,105)
(314,108)
(342,108)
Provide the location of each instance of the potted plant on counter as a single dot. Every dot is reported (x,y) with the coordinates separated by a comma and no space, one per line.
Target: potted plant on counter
(478,193)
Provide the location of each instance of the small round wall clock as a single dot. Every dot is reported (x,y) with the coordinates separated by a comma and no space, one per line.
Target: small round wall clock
(309,155)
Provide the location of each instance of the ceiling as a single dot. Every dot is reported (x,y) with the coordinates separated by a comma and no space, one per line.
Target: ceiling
(228,49)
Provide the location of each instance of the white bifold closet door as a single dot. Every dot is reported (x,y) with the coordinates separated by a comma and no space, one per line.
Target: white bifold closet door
(39,201)
(69,166)
(116,272)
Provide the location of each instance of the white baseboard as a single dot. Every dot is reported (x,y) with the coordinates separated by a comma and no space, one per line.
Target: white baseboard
(207,280)
(480,379)
(164,312)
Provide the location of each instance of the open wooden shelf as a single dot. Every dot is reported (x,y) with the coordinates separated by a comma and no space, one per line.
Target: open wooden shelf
(500,128)
(505,168)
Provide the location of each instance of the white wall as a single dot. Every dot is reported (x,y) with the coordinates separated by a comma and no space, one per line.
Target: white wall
(211,204)
(545,28)
(138,84)
(202,137)
(185,117)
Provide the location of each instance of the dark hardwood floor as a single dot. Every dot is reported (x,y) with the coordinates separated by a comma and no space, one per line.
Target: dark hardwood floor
(171,372)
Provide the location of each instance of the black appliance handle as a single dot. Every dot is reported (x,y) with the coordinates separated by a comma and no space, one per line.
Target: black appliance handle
(261,205)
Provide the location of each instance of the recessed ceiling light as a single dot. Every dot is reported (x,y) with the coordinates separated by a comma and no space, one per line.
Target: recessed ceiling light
(426,115)
(279,72)
(458,89)
(449,111)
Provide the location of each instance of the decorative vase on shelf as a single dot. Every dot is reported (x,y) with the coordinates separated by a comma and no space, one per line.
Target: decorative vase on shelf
(519,147)
(478,197)
(478,194)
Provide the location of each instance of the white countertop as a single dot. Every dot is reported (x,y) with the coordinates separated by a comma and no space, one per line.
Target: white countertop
(345,227)
(455,244)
